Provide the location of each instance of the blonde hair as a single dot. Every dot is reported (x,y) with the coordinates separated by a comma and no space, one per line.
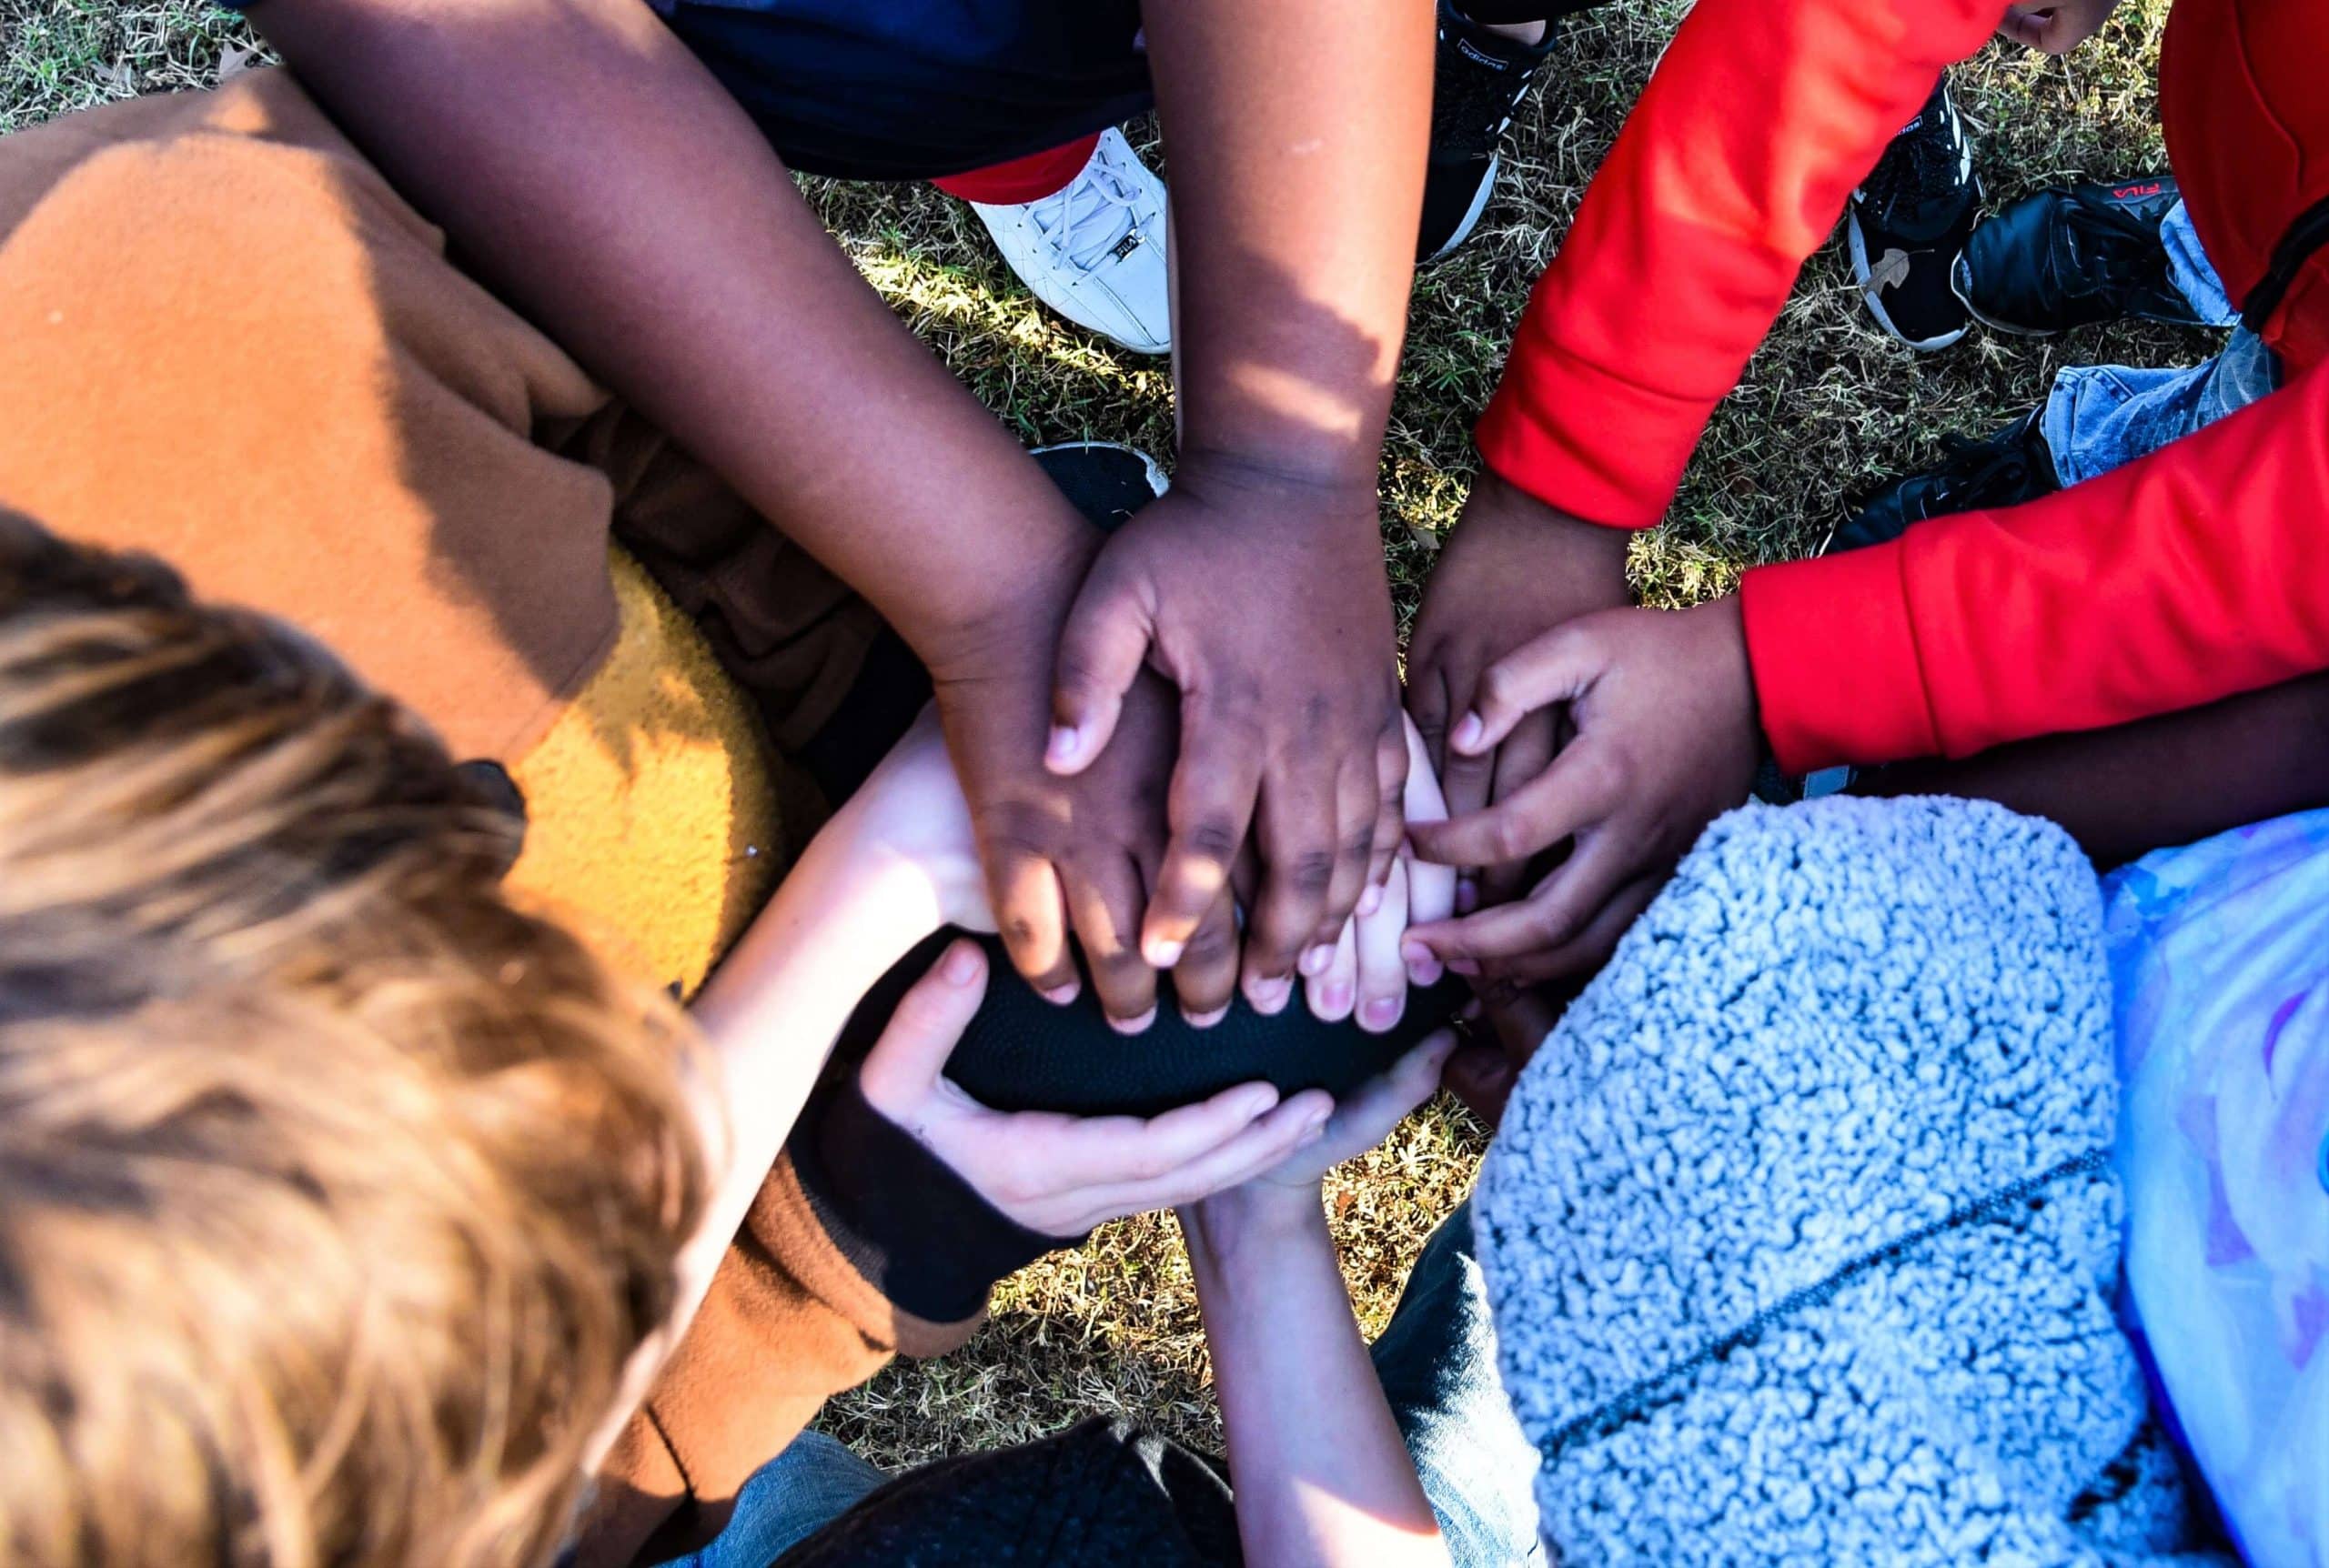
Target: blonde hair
(334,1191)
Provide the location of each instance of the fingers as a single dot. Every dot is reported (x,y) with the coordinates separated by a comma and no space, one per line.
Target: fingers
(1211,806)
(1482,1077)
(1379,951)
(1559,667)
(1392,762)
(1427,711)
(1524,755)
(911,1053)
(1371,1112)
(1261,1148)
(1585,953)
(1298,852)
(1577,790)
(1560,908)
(1032,917)
(1357,808)
(1431,889)
(1205,980)
(1333,992)
(1107,911)
(1101,652)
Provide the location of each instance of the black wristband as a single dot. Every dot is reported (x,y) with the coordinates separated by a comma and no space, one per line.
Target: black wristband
(902,1217)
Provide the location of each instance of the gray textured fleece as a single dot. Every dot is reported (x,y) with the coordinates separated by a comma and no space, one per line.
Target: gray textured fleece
(1800,1231)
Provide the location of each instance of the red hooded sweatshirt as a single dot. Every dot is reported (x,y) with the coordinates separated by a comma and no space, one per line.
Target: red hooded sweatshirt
(2198,572)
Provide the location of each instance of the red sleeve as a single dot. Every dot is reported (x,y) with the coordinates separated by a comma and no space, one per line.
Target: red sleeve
(1732,169)
(2196,573)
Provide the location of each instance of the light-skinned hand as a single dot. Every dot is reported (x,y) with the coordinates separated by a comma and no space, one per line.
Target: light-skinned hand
(1663,707)
(1063,1175)
(1364,1120)
(1369,974)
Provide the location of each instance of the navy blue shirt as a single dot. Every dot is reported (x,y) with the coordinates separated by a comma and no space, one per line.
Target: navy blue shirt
(914,89)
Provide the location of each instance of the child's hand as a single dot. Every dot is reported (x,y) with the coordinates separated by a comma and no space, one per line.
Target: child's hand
(1369,974)
(1266,604)
(912,811)
(1062,1175)
(2057,27)
(1365,1119)
(1513,570)
(1664,706)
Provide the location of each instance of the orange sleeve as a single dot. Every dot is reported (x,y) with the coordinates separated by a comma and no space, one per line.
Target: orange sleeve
(1732,169)
(2197,573)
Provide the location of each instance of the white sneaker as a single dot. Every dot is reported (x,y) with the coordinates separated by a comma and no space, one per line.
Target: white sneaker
(1095,251)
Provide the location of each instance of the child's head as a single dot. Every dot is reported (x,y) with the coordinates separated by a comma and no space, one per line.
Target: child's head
(334,1191)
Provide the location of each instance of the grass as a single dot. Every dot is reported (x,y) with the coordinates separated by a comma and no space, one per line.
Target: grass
(1825,406)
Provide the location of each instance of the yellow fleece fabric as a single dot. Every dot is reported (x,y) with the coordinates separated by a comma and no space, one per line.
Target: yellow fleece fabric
(651,804)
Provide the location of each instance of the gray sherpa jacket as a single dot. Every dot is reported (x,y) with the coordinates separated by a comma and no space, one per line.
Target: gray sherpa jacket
(1800,1231)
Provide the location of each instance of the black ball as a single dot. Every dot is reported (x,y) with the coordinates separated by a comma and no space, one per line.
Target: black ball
(1022,1053)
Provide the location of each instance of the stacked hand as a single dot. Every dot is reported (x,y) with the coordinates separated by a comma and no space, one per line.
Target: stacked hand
(1663,707)
(1513,570)
(1265,604)
(913,813)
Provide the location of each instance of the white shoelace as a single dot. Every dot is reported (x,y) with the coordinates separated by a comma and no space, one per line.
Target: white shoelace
(1086,221)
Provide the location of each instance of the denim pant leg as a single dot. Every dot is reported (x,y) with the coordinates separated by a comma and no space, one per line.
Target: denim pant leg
(812,1483)
(2192,272)
(1437,1363)
(2099,417)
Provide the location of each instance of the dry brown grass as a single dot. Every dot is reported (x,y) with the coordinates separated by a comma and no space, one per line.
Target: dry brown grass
(1825,406)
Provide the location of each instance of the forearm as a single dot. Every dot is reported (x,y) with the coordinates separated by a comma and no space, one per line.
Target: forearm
(590,169)
(1730,170)
(1298,132)
(1321,1472)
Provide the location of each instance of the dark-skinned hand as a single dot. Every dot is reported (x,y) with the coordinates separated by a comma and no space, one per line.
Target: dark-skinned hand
(1077,853)
(1663,705)
(1263,601)
(1513,569)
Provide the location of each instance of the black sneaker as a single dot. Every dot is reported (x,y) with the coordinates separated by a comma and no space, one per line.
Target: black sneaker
(1479,78)
(2065,258)
(2011,466)
(1107,480)
(1907,222)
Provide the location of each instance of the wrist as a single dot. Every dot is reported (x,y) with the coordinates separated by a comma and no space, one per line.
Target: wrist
(1261,1220)
(1295,487)
(1011,630)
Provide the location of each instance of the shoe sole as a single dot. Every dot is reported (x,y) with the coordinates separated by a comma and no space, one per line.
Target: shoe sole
(1858,244)
(1958,273)
(1472,215)
(1151,470)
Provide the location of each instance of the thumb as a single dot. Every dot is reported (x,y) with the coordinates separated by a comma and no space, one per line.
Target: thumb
(1559,667)
(1100,655)
(906,1062)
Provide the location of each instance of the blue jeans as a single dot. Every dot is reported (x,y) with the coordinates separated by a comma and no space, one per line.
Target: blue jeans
(1437,1365)
(2099,417)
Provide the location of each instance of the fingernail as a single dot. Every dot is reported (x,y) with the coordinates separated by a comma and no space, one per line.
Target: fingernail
(1316,962)
(960,966)
(1333,1000)
(1415,952)
(1066,742)
(1060,995)
(1259,1101)
(1468,897)
(1469,730)
(1133,1025)
(1315,1127)
(1369,901)
(1269,996)
(1163,955)
(1424,973)
(1205,1020)
(1381,1012)
(1464,967)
